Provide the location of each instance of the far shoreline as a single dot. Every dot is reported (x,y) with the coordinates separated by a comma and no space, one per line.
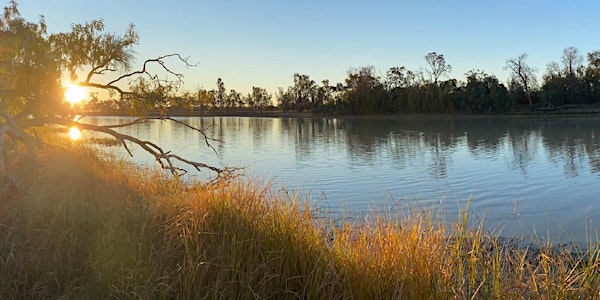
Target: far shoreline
(582,110)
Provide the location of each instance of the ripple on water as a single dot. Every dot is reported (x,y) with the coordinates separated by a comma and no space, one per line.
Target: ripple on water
(521,173)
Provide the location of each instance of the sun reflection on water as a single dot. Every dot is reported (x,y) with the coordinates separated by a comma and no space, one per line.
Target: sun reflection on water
(74,133)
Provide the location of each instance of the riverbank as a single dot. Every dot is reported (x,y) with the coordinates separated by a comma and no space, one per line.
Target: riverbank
(583,109)
(82,226)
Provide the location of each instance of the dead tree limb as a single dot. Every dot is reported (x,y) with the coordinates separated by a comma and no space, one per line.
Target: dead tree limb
(111,85)
(165,159)
(207,139)
(160,61)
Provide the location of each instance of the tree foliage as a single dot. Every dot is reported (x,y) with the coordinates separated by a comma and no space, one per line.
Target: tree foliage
(437,66)
(260,98)
(304,89)
(32,65)
(572,83)
(88,46)
(29,70)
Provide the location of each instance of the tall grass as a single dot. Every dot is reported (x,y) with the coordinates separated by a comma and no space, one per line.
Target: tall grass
(89,228)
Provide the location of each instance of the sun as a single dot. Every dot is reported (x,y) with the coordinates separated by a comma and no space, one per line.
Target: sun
(75,94)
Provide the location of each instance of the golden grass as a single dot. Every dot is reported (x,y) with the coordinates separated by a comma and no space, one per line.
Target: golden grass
(91,228)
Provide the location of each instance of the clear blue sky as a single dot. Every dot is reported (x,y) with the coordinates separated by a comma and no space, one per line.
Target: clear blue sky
(263,43)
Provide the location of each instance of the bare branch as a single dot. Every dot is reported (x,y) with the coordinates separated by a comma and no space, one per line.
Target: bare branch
(164,158)
(160,61)
(106,87)
(112,85)
(135,122)
(207,139)
(523,72)
(98,70)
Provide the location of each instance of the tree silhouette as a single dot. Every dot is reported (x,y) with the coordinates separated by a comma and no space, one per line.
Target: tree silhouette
(522,73)
(437,66)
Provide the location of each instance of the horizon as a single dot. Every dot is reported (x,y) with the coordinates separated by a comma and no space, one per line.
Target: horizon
(263,44)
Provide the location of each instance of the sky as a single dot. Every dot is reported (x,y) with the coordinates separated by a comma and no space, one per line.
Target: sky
(263,43)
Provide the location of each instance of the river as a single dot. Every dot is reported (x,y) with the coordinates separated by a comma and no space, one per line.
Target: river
(530,177)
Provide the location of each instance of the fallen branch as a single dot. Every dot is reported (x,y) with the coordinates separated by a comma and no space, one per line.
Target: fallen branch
(165,159)
(201,131)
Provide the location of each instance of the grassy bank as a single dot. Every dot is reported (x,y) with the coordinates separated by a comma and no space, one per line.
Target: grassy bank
(81,227)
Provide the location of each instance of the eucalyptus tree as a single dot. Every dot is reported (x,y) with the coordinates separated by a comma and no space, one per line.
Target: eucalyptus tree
(570,82)
(554,88)
(202,99)
(33,64)
(592,75)
(594,60)
(399,77)
(305,89)
(363,93)
(233,99)
(260,98)
(572,59)
(401,85)
(285,98)
(483,93)
(184,101)
(552,70)
(323,95)
(437,66)
(522,74)
(248,100)
(219,100)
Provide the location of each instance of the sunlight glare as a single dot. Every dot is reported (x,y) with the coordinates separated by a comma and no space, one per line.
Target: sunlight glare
(74,133)
(75,94)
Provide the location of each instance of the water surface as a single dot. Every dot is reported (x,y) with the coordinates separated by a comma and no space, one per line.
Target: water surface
(524,175)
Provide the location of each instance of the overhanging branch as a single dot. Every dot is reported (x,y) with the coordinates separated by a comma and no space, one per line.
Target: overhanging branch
(159,60)
(165,159)
(112,85)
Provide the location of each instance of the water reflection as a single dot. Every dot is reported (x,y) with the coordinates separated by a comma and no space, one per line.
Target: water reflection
(547,167)
(568,142)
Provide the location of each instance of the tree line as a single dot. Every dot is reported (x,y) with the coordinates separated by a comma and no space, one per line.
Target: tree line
(404,91)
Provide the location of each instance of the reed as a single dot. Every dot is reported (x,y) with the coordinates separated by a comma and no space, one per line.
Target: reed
(91,227)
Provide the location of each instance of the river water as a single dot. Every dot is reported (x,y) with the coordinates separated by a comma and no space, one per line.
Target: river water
(530,177)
